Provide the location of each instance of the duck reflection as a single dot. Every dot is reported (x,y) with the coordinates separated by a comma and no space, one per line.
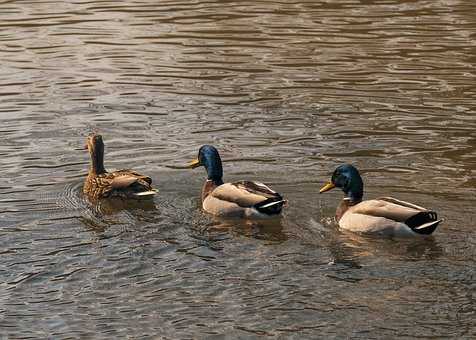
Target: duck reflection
(349,246)
(350,250)
(104,213)
(268,230)
(115,205)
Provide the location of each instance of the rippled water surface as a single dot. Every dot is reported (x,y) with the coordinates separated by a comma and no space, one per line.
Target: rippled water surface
(286,90)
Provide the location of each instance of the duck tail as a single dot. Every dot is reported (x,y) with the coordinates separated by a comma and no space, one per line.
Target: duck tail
(423,223)
(271,206)
(145,194)
(427,228)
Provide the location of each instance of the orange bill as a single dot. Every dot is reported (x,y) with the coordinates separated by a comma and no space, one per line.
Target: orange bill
(327,187)
(193,164)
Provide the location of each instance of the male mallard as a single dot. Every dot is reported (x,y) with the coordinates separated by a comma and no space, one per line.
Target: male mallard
(243,199)
(120,183)
(386,215)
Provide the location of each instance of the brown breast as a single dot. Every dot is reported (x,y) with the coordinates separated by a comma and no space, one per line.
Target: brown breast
(342,208)
(207,188)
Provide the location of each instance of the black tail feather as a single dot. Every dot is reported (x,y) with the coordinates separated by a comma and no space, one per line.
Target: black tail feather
(424,222)
(271,206)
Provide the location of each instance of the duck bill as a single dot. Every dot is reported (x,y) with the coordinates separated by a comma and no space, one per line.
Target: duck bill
(193,164)
(327,187)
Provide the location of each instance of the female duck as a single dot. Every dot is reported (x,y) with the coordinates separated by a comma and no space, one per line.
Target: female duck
(384,216)
(120,183)
(244,199)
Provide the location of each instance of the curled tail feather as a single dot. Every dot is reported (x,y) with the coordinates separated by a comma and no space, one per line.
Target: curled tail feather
(424,222)
(271,206)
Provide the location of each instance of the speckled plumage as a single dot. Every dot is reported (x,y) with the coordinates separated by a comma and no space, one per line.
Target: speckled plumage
(121,183)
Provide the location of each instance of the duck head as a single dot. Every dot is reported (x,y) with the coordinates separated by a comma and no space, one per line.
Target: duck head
(95,146)
(347,178)
(209,158)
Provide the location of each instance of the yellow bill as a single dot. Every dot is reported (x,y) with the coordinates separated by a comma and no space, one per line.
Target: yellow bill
(193,164)
(327,187)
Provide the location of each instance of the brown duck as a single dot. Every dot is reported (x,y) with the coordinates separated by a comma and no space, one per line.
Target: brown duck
(121,183)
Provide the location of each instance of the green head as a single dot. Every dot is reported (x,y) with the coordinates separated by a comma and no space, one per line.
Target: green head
(347,178)
(209,157)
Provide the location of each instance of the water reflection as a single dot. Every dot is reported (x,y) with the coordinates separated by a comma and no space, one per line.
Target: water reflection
(108,212)
(355,246)
(287,90)
(267,230)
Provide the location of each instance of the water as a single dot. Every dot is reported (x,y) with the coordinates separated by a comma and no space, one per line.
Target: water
(286,91)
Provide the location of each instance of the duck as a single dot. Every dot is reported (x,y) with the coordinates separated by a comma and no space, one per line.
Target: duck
(124,183)
(241,199)
(386,216)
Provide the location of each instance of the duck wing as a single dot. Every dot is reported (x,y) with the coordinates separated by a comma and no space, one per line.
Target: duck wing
(238,193)
(123,181)
(129,183)
(133,173)
(256,188)
(248,194)
(388,209)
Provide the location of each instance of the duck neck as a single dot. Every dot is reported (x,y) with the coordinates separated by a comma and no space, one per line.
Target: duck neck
(216,181)
(214,170)
(97,162)
(353,198)
(354,191)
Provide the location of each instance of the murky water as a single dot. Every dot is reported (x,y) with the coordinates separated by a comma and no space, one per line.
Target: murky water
(286,90)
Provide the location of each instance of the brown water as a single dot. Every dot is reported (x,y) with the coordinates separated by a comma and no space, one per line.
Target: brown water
(286,90)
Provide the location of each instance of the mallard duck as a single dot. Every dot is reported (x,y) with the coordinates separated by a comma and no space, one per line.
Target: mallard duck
(243,199)
(120,183)
(384,216)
